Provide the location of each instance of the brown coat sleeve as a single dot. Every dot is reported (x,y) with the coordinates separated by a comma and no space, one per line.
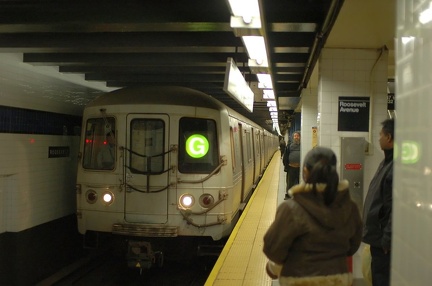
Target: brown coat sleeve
(284,229)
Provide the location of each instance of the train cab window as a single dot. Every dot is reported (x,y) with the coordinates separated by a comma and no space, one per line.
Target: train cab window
(147,146)
(99,144)
(198,146)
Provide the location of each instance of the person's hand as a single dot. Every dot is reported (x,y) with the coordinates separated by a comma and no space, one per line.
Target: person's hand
(269,272)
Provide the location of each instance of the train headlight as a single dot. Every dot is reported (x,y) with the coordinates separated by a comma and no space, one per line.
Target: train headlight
(206,200)
(186,201)
(91,196)
(108,198)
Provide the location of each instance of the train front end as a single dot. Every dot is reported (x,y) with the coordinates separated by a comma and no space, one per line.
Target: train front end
(164,174)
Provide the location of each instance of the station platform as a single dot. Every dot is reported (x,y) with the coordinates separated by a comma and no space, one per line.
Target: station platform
(242,261)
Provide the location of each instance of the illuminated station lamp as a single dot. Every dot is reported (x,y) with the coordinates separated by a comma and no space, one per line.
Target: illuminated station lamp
(247,23)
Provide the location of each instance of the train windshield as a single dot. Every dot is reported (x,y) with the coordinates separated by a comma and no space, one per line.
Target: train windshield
(147,145)
(198,146)
(99,144)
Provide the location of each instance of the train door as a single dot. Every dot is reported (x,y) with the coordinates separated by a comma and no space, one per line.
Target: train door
(248,161)
(242,162)
(259,152)
(146,164)
(254,162)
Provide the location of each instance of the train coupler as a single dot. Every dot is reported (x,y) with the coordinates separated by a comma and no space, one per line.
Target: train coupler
(140,255)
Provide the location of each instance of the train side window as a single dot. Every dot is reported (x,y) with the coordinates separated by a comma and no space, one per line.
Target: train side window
(233,153)
(248,145)
(96,142)
(198,145)
(258,143)
(147,145)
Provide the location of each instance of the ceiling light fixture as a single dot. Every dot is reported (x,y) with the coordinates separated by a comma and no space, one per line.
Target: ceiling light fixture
(268,94)
(426,15)
(264,81)
(256,48)
(247,9)
(247,23)
(271,103)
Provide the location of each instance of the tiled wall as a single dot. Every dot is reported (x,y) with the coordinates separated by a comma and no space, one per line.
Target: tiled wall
(412,193)
(352,73)
(34,188)
(28,121)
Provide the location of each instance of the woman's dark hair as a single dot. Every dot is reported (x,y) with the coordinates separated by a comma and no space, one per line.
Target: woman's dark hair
(321,164)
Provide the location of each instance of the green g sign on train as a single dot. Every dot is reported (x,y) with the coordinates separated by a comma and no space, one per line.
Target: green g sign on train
(197,146)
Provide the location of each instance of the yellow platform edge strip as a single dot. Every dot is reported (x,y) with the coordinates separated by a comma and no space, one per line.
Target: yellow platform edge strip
(218,265)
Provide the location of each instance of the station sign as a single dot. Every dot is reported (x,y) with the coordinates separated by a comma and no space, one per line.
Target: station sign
(58,151)
(353,114)
(236,86)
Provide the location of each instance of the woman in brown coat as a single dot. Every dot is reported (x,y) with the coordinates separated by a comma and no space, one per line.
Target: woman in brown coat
(315,232)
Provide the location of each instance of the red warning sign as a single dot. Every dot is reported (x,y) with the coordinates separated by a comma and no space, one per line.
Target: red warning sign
(353,166)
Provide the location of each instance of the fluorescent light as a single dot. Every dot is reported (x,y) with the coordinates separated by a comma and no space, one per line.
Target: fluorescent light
(272,108)
(271,103)
(255,46)
(406,40)
(247,9)
(268,94)
(265,80)
(241,25)
(426,15)
(258,68)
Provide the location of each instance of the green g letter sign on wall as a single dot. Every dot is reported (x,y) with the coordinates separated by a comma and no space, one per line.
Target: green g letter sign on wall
(197,146)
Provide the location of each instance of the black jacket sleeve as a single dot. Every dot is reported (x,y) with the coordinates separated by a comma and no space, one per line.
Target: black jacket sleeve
(285,158)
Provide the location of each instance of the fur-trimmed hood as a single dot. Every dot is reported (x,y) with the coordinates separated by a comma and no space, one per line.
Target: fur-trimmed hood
(332,216)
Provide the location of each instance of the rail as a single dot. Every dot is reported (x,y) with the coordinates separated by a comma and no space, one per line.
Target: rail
(148,173)
(222,163)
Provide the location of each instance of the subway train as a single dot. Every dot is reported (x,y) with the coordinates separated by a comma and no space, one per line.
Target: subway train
(160,163)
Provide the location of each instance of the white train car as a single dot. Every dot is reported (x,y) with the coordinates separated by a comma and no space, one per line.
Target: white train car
(180,164)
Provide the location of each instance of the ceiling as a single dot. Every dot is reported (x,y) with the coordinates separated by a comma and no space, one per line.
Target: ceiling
(110,44)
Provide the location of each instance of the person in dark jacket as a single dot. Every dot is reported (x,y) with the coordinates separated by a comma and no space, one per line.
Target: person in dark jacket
(377,210)
(282,146)
(314,232)
(291,161)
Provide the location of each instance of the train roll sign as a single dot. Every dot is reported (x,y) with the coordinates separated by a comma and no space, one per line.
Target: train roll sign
(353,114)
(197,146)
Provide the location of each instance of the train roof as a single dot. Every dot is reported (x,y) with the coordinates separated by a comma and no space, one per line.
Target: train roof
(172,95)
(160,95)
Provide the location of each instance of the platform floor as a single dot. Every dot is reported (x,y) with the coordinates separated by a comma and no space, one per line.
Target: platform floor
(242,261)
